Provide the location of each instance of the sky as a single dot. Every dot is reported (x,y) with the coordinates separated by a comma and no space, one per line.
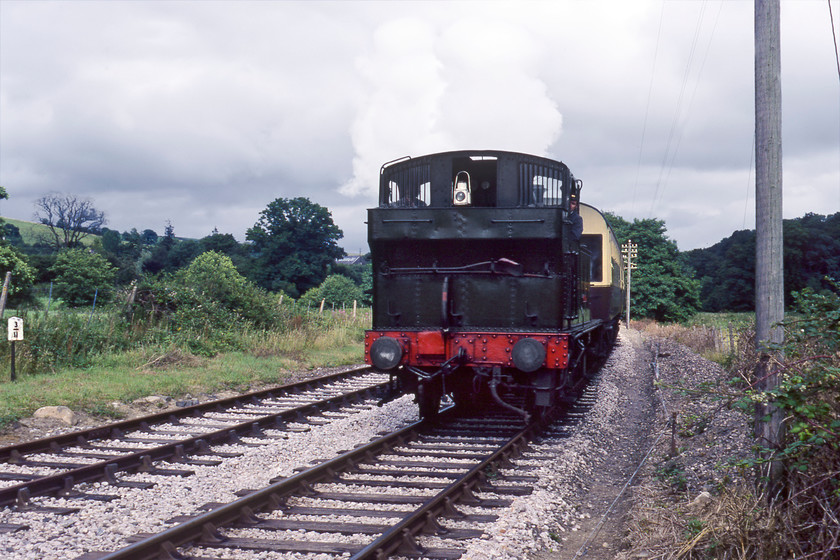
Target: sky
(200,113)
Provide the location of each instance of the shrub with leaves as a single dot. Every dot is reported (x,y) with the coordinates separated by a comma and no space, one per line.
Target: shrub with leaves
(81,276)
(336,290)
(808,393)
(207,305)
(214,278)
(23,275)
(809,384)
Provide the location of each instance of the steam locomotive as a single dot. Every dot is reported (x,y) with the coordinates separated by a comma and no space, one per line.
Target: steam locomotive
(485,285)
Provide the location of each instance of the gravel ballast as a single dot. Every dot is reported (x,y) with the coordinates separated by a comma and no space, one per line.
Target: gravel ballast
(582,470)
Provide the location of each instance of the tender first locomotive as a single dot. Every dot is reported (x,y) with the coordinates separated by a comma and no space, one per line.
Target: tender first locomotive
(487,282)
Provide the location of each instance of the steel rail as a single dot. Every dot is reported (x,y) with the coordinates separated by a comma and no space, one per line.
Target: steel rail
(20,494)
(399,539)
(205,526)
(106,431)
(204,529)
(47,445)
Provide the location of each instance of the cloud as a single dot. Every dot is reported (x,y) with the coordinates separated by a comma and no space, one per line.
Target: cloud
(398,114)
(203,113)
(465,85)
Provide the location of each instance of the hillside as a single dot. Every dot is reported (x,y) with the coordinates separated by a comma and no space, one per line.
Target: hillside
(33,233)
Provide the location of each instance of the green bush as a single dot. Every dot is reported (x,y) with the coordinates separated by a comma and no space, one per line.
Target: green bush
(72,339)
(809,385)
(81,276)
(337,291)
(207,306)
(213,278)
(204,309)
(23,275)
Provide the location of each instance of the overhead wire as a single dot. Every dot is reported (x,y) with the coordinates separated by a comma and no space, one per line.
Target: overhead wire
(836,58)
(834,35)
(749,182)
(682,109)
(678,108)
(647,108)
(691,101)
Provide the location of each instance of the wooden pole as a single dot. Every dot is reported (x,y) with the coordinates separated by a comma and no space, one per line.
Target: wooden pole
(629,251)
(629,273)
(5,293)
(769,282)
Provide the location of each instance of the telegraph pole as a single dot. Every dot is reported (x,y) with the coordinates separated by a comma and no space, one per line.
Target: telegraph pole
(629,251)
(769,277)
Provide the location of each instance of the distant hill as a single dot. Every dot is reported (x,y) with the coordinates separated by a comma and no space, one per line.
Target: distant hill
(727,268)
(32,232)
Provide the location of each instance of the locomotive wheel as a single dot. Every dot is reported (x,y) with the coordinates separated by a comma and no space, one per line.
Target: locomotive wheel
(429,394)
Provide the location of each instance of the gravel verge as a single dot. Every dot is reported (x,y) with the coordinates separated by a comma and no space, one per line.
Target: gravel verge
(586,472)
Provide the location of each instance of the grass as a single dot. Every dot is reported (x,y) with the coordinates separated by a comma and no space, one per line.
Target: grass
(718,337)
(33,233)
(271,358)
(722,320)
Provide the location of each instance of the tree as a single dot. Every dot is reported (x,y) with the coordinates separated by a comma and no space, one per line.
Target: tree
(168,235)
(223,243)
(294,242)
(663,285)
(361,275)
(23,275)
(150,237)
(11,233)
(3,196)
(111,240)
(69,218)
(214,276)
(80,275)
(727,268)
(727,273)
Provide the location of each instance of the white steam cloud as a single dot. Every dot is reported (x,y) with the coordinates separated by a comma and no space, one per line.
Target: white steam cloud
(471,85)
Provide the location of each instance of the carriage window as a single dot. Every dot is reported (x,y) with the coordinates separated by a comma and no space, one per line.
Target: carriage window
(592,244)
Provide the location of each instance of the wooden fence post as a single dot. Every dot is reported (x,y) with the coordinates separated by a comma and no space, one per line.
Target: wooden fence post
(5,292)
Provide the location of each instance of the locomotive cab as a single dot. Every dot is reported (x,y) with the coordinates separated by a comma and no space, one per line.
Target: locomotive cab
(480,287)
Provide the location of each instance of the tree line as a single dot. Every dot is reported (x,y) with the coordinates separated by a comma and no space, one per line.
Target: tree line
(292,249)
(726,270)
(670,285)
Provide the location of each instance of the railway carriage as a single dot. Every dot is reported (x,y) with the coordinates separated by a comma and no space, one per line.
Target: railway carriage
(484,286)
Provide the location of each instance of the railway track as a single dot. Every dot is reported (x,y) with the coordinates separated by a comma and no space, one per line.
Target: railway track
(420,491)
(56,466)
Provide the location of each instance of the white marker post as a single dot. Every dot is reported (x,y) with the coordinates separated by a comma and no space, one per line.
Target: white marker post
(15,334)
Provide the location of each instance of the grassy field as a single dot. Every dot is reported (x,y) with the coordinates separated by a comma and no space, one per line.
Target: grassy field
(718,337)
(33,233)
(169,371)
(163,368)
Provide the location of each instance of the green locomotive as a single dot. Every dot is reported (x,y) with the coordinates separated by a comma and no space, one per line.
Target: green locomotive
(488,282)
